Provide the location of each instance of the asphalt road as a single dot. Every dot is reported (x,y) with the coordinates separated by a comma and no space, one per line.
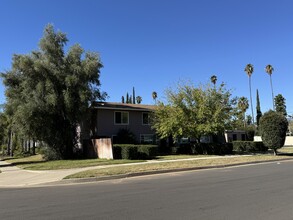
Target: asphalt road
(249,192)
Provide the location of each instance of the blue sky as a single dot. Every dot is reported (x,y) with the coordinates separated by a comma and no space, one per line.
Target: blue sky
(152,44)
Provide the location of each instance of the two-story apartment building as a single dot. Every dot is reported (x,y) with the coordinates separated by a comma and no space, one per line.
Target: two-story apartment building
(109,117)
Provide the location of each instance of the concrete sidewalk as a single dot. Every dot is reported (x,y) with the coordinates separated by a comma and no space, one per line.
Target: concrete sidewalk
(12,176)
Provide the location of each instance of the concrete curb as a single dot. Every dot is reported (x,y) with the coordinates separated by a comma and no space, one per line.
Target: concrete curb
(147,173)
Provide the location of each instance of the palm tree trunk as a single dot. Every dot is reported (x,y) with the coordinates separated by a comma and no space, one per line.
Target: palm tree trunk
(251,100)
(272,92)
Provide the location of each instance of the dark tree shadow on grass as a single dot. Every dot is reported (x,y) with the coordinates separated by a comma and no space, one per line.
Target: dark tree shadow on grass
(21,163)
(284,154)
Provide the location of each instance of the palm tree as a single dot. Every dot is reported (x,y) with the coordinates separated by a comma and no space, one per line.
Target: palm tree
(269,69)
(138,99)
(155,95)
(243,106)
(249,70)
(214,80)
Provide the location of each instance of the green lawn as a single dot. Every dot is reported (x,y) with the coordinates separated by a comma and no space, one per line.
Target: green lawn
(37,163)
(174,165)
(182,156)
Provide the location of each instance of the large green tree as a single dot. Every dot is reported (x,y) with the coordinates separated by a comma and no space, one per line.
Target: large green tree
(193,111)
(280,104)
(3,128)
(273,127)
(8,127)
(51,90)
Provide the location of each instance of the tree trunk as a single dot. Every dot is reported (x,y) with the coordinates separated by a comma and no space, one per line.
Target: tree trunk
(275,152)
(11,144)
(8,143)
(23,145)
(251,100)
(34,147)
(29,146)
(272,92)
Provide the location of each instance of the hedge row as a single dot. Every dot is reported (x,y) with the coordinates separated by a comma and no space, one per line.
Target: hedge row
(134,152)
(203,148)
(249,146)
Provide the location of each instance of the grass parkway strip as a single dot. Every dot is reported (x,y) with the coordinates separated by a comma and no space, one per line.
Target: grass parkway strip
(176,165)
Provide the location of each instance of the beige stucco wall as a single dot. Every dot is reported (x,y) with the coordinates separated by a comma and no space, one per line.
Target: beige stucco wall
(288,141)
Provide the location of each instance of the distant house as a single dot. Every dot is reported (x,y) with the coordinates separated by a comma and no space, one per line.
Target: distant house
(235,135)
(107,118)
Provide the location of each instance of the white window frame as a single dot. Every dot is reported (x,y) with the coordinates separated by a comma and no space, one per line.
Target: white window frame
(148,118)
(121,112)
(153,136)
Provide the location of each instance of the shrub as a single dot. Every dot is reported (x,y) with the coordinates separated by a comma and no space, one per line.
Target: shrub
(217,149)
(227,148)
(134,152)
(165,146)
(273,127)
(249,146)
(117,152)
(49,153)
(260,146)
(250,132)
(206,148)
(129,152)
(147,151)
(124,151)
(240,146)
(183,149)
(174,150)
(3,149)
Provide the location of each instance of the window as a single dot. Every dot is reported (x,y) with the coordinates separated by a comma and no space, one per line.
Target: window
(121,118)
(147,139)
(243,137)
(234,137)
(145,118)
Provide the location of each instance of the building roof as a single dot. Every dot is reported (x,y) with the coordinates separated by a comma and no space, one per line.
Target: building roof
(123,106)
